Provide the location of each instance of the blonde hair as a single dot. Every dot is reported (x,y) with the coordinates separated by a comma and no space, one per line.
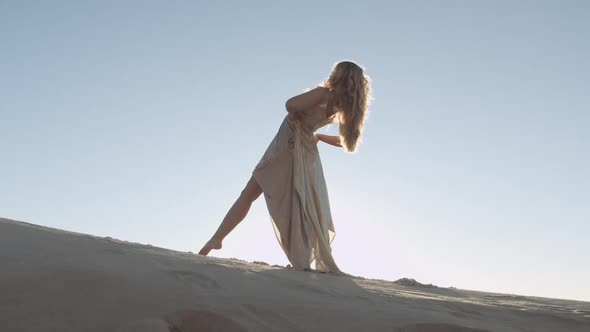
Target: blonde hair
(352,96)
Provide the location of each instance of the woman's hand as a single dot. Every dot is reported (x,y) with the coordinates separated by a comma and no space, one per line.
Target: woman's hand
(330,139)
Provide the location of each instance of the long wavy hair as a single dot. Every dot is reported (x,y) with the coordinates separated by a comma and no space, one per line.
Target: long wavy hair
(352,95)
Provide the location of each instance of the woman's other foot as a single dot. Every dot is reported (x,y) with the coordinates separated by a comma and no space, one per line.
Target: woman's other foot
(212,244)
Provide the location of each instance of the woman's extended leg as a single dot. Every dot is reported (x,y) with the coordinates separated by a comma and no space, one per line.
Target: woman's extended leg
(236,213)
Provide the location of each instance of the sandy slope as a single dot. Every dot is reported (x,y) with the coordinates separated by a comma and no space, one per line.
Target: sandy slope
(53,280)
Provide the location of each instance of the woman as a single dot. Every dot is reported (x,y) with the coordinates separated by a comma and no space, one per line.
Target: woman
(290,172)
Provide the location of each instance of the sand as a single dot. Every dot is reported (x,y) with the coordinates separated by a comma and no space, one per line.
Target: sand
(54,280)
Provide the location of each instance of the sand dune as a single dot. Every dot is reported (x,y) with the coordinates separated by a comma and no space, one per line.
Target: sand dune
(53,280)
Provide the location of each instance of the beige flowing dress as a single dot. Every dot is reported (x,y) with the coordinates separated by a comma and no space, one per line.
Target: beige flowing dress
(291,176)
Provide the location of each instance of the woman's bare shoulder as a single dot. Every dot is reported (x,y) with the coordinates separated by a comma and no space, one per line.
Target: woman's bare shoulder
(311,98)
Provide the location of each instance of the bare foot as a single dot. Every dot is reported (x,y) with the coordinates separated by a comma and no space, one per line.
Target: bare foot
(212,244)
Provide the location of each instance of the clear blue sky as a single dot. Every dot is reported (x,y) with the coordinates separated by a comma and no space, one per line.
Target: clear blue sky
(143,120)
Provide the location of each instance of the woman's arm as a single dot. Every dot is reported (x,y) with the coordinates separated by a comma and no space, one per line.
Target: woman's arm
(307,99)
(330,139)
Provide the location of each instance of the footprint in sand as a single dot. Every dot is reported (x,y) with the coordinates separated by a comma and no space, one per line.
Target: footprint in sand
(434,327)
(191,277)
(195,279)
(185,321)
(146,325)
(271,319)
(201,321)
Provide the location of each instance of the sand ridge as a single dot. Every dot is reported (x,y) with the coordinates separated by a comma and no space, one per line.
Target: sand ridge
(54,280)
